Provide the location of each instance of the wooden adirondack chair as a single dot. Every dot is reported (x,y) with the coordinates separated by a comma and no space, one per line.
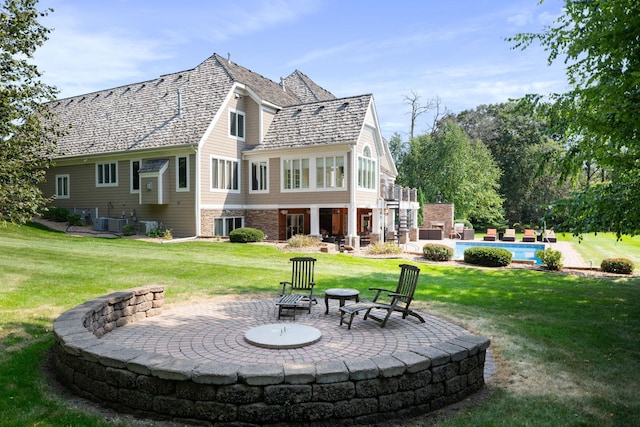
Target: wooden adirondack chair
(388,300)
(300,289)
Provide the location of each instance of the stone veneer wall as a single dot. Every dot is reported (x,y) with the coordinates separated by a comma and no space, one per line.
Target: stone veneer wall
(443,212)
(264,220)
(365,390)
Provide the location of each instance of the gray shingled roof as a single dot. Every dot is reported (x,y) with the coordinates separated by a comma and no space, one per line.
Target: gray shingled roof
(338,121)
(305,89)
(172,110)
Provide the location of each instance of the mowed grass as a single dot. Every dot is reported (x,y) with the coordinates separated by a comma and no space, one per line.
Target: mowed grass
(567,347)
(596,247)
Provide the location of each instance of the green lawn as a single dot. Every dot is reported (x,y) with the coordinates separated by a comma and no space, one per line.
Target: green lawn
(568,347)
(596,247)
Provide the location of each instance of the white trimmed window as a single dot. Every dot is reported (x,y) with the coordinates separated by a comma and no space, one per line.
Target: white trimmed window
(224,174)
(366,170)
(224,226)
(236,124)
(330,172)
(182,173)
(107,174)
(135,176)
(62,186)
(295,174)
(260,176)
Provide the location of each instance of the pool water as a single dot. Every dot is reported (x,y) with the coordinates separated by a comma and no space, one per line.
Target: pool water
(519,251)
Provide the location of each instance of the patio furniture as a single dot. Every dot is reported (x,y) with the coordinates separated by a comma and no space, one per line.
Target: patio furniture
(550,236)
(529,235)
(341,294)
(388,300)
(300,292)
(491,235)
(509,235)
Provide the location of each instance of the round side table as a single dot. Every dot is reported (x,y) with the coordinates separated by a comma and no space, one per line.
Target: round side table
(342,294)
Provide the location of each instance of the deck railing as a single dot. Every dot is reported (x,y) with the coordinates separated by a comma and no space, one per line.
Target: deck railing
(398,193)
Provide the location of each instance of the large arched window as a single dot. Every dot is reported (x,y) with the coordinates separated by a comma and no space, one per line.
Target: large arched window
(366,170)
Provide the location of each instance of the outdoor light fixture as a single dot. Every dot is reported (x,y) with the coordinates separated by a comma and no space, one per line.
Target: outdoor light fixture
(149,186)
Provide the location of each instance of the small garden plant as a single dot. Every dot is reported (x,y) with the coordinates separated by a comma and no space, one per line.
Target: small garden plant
(437,252)
(384,248)
(487,257)
(302,241)
(551,258)
(617,265)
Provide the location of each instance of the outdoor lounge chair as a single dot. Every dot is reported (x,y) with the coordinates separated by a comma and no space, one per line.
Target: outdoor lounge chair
(491,235)
(300,292)
(550,236)
(388,300)
(529,235)
(509,235)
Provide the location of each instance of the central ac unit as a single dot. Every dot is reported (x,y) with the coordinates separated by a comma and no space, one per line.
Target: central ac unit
(147,226)
(101,224)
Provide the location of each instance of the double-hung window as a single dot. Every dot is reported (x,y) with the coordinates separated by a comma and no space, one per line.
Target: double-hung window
(259,176)
(330,172)
(366,170)
(224,174)
(62,186)
(135,176)
(107,174)
(182,173)
(295,174)
(236,124)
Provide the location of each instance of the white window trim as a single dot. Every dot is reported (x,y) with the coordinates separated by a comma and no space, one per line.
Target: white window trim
(311,183)
(375,172)
(251,163)
(68,178)
(131,189)
(225,230)
(225,190)
(315,172)
(109,184)
(244,125)
(188,187)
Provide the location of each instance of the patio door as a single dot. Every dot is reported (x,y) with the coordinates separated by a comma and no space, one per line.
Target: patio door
(295,225)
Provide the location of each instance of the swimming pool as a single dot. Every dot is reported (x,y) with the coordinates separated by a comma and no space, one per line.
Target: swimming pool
(519,251)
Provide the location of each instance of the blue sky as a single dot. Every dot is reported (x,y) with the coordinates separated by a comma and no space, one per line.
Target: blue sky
(452,50)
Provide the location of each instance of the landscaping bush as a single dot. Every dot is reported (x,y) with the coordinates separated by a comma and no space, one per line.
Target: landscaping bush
(161,234)
(58,214)
(384,248)
(487,257)
(551,258)
(128,230)
(302,241)
(75,219)
(246,235)
(617,265)
(437,252)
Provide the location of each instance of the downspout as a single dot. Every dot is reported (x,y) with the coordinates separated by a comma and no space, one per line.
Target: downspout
(197,191)
(352,218)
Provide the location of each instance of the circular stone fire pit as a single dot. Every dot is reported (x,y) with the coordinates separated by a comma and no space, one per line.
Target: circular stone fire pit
(193,364)
(282,335)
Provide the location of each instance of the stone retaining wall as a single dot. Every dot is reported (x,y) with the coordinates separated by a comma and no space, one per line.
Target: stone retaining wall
(367,390)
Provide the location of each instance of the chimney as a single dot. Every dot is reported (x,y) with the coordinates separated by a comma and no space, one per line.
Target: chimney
(179,103)
(229,57)
(284,88)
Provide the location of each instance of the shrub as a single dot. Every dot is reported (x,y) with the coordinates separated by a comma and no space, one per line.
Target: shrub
(552,259)
(384,248)
(161,234)
(302,241)
(75,219)
(487,256)
(436,252)
(246,235)
(128,230)
(57,213)
(617,265)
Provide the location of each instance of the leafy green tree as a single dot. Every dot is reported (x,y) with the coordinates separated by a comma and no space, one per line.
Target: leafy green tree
(600,115)
(27,134)
(520,145)
(447,164)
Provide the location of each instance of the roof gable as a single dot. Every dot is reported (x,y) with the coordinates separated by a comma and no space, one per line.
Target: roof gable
(338,121)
